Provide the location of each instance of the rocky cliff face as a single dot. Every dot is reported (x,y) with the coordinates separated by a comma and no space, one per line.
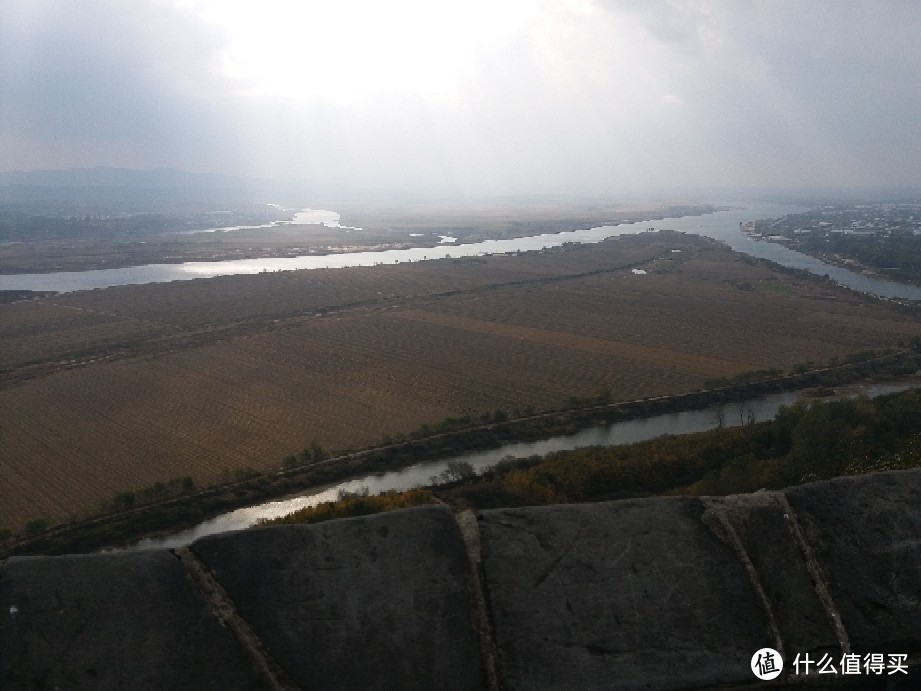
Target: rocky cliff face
(660,593)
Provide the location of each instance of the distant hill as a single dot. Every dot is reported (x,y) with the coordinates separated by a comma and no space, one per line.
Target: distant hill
(118,177)
(93,189)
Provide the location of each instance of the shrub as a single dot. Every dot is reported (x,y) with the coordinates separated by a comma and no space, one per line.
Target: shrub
(36,527)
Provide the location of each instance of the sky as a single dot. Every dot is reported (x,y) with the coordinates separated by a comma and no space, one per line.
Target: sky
(611,97)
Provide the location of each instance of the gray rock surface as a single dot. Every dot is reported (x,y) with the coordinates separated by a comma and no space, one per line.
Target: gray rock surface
(658,593)
(764,531)
(127,621)
(371,603)
(623,595)
(866,533)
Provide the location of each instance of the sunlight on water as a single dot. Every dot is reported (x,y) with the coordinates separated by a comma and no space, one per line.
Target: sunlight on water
(426,473)
(721,225)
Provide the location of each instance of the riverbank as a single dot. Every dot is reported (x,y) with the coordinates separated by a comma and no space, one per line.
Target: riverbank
(849,263)
(363,230)
(882,241)
(181,512)
(117,392)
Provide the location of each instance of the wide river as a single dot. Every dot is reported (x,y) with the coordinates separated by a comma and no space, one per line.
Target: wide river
(428,472)
(721,225)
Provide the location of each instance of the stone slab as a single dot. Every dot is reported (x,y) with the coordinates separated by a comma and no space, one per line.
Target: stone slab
(123,621)
(634,594)
(380,602)
(866,534)
(763,528)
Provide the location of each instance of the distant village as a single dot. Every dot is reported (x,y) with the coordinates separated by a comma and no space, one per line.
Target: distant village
(857,219)
(872,238)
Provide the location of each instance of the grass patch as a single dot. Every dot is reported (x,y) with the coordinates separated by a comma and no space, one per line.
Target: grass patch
(776,288)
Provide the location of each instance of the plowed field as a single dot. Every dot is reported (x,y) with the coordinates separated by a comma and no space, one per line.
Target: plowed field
(113,390)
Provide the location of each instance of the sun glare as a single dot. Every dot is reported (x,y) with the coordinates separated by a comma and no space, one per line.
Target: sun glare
(354,50)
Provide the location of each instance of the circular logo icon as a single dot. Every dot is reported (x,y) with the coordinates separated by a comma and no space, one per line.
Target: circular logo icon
(767,664)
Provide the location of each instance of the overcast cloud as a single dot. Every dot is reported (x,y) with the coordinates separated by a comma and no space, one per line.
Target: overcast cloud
(604,96)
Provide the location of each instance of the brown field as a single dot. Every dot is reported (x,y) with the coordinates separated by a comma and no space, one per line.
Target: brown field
(112,390)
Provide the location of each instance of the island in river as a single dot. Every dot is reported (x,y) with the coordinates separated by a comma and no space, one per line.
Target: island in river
(45,243)
(118,395)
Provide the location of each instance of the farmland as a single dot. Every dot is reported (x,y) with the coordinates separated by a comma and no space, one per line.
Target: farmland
(112,390)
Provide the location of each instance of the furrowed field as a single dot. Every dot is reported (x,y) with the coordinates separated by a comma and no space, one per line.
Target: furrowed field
(112,390)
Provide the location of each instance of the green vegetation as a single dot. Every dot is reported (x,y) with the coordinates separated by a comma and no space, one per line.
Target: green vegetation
(804,442)
(36,527)
(776,288)
(315,452)
(455,424)
(157,492)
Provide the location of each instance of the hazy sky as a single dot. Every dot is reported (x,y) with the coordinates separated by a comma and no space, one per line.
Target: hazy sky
(604,96)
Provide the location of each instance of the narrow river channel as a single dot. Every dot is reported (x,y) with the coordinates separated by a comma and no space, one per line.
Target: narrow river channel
(426,473)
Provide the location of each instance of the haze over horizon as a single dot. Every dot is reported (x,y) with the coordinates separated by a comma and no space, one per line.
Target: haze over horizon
(621,97)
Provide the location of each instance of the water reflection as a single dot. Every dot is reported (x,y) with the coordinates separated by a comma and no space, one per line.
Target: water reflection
(721,225)
(628,432)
